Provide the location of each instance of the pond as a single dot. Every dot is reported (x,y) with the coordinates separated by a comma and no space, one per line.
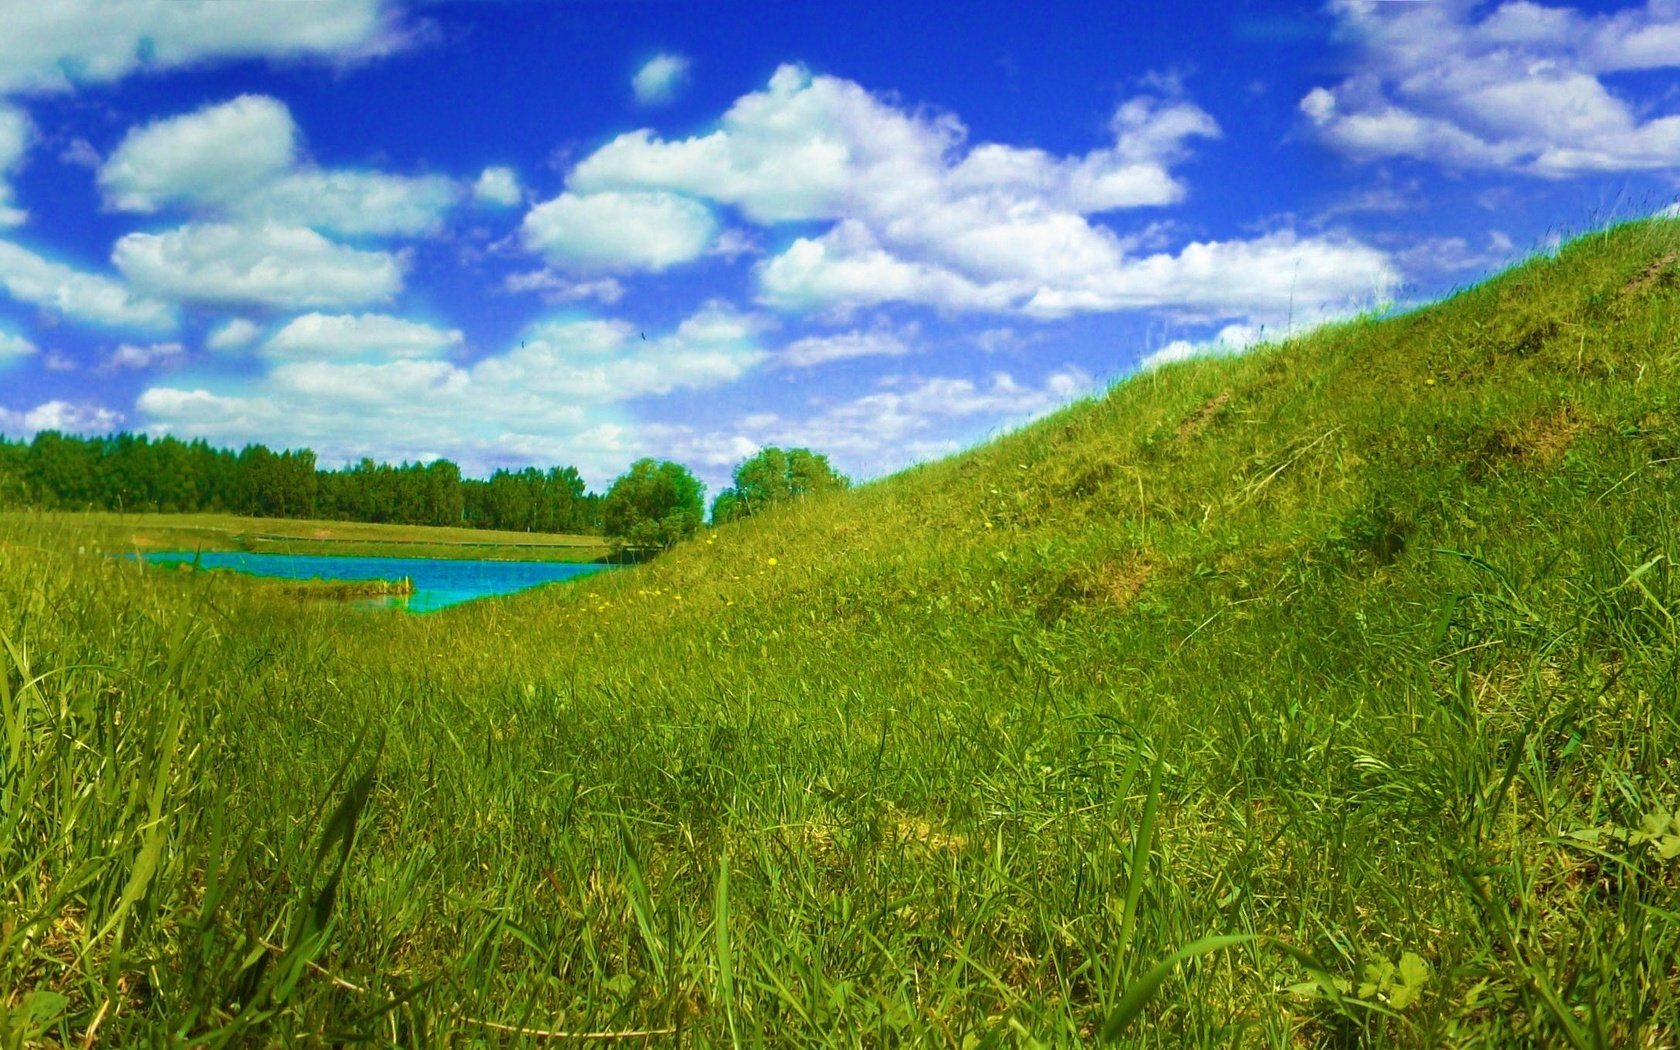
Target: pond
(437,582)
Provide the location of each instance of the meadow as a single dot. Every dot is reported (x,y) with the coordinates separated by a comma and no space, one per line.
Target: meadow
(147,532)
(1321,696)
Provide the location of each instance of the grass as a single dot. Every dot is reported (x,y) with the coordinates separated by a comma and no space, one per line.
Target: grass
(231,532)
(1323,696)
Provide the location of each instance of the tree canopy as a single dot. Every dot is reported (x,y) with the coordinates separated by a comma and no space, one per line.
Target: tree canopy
(653,505)
(774,475)
(134,472)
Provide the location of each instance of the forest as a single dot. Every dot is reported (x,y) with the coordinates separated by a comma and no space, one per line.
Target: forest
(133,472)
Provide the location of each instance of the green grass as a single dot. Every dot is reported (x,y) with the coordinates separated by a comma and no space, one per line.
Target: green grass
(231,532)
(1324,696)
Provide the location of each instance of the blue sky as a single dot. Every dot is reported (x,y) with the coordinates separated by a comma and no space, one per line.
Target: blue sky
(585,232)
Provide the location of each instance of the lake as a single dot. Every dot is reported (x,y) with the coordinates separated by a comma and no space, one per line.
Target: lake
(437,582)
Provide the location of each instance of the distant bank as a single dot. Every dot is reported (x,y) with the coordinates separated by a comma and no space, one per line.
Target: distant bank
(232,532)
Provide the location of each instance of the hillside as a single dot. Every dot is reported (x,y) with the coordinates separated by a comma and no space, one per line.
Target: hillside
(1358,651)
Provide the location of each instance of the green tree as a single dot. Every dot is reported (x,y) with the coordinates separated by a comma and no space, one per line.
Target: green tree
(653,505)
(775,475)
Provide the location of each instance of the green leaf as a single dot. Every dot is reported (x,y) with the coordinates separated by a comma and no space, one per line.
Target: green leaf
(720,920)
(1414,974)
(1145,987)
(39,1010)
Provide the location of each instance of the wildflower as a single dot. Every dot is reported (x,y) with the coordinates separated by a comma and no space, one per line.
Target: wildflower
(770,561)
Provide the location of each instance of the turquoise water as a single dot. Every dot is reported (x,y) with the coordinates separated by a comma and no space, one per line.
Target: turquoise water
(437,582)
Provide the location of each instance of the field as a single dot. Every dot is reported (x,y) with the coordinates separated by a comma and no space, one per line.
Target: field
(229,532)
(1322,696)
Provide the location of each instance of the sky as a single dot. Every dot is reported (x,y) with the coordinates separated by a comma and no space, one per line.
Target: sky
(587,231)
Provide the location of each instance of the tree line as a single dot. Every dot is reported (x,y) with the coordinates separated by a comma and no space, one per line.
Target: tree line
(651,506)
(134,472)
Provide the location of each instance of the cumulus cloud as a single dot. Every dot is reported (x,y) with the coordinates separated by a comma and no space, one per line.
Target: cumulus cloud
(811,148)
(1232,339)
(54,46)
(239,160)
(1452,255)
(327,336)
(78,418)
(557,387)
(605,361)
(1519,87)
(1277,275)
(498,186)
(845,346)
(233,334)
(64,290)
(14,346)
(619,231)
(218,153)
(136,356)
(15,135)
(353,202)
(657,81)
(917,216)
(271,265)
(848,268)
(556,288)
(905,421)
(1272,276)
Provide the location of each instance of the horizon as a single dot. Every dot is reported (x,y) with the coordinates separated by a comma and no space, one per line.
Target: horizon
(520,235)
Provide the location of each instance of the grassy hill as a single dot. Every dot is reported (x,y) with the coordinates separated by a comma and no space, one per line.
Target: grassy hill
(1356,655)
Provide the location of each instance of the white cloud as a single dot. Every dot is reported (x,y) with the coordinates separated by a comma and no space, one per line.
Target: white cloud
(238,160)
(54,286)
(604,361)
(219,153)
(16,132)
(132,355)
(353,202)
(906,421)
(1001,340)
(55,45)
(327,337)
(271,265)
(846,346)
(13,346)
(553,395)
(81,154)
(1277,275)
(619,231)
(555,288)
(499,186)
(659,78)
(233,334)
(918,217)
(847,268)
(1280,276)
(1232,339)
(1519,88)
(1442,255)
(812,148)
(80,418)
(803,149)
